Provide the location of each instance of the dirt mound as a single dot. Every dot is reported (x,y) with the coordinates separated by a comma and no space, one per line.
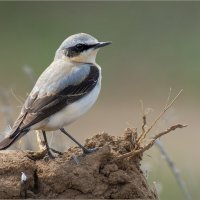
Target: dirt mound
(72,175)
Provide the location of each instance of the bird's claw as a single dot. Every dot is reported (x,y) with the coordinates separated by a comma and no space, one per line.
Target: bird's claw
(85,152)
(88,151)
(49,155)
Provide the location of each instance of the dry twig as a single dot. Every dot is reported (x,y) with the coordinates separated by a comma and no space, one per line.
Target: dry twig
(139,149)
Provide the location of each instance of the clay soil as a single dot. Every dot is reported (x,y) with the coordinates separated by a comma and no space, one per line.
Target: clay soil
(73,175)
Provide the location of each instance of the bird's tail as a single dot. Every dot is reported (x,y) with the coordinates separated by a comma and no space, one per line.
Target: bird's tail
(8,141)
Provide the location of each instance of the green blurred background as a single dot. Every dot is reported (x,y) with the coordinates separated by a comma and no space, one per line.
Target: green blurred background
(156,45)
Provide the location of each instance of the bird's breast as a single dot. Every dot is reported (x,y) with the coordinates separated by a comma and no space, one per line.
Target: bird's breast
(73,111)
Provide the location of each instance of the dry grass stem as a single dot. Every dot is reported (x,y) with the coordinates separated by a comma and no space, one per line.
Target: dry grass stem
(143,116)
(18,98)
(167,106)
(30,74)
(174,169)
(144,123)
(169,96)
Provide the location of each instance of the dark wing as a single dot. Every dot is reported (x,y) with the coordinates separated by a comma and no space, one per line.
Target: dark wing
(41,108)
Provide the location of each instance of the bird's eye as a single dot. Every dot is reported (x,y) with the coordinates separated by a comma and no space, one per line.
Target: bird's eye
(79,46)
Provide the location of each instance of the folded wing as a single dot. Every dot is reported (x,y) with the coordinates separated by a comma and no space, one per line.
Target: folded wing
(37,109)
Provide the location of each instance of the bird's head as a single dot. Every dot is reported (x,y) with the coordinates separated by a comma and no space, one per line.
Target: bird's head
(80,47)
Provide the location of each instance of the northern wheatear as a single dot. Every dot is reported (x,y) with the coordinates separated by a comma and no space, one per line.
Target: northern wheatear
(65,90)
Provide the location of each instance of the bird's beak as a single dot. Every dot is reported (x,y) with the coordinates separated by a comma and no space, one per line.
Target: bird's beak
(101,44)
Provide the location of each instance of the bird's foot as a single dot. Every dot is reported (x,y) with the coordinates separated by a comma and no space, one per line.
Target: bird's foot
(89,151)
(77,159)
(48,156)
(51,154)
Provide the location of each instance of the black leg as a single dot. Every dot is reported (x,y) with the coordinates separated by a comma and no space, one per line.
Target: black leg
(85,151)
(47,145)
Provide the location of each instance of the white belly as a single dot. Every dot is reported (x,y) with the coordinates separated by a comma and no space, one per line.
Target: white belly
(71,112)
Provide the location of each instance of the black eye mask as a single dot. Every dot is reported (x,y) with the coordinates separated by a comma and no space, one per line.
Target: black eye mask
(77,49)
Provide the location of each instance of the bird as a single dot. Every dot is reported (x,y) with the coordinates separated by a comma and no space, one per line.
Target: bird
(65,91)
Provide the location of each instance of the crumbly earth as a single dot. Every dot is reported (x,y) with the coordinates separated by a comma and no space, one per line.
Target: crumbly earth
(73,175)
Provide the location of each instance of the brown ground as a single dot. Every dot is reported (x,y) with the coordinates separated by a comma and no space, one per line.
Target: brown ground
(91,176)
